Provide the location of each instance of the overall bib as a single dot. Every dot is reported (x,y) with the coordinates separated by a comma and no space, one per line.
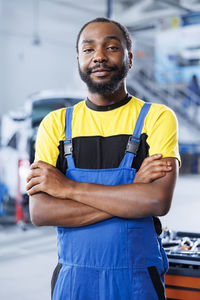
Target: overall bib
(116,259)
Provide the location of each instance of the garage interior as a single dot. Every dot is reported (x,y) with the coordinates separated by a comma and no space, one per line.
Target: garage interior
(38,63)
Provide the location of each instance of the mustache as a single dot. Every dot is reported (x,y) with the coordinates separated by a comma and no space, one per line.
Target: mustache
(104,66)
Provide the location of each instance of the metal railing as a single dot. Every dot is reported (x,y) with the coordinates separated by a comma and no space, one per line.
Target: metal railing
(183,101)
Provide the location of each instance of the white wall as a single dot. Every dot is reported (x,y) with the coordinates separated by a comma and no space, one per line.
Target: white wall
(25,67)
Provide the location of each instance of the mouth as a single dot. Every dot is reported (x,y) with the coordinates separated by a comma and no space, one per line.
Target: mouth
(101,72)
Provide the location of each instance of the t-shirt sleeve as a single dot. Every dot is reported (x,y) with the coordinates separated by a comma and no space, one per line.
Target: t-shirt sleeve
(50,132)
(162,130)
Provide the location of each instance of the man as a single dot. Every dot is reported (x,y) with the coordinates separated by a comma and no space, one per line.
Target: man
(119,173)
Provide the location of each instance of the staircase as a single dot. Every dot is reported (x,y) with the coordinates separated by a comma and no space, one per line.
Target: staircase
(185,104)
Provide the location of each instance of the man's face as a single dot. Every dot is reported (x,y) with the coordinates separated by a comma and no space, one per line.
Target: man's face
(103,58)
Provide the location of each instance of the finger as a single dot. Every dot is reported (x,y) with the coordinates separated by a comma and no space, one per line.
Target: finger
(33,173)
(35,165)
(155,156)
(154,165)
(150,165)
(34,190)
(39,164)
(148,178)
(163,165)
(169,163)
(159,168)
(164,162)
(157,175)
(33,182)
(150,159)
(153,170)
(154,176)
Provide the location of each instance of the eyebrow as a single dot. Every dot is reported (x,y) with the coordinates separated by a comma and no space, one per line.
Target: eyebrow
(87,41)
(109,37)
(112,37)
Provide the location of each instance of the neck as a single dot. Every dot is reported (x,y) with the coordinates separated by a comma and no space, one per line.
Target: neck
(115,97)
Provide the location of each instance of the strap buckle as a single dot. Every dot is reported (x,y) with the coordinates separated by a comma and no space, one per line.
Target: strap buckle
(132,146)
(68,149)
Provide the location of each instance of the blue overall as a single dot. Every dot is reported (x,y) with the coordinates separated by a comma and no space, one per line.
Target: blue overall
(116,259)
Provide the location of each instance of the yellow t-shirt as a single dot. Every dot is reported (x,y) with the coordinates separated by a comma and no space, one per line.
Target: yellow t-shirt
(160,129)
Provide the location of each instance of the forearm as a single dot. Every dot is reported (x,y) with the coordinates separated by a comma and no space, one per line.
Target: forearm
(126,201)
(132,200)
(46,210)
(139,199)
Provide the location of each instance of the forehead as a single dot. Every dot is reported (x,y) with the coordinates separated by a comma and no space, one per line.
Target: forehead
(98,31)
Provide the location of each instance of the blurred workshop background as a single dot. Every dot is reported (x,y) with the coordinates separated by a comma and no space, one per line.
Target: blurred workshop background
(38,73)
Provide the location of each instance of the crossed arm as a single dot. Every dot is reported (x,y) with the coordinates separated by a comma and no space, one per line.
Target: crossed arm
(58,201)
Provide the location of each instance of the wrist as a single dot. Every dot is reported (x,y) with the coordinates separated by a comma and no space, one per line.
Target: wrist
(66,189)
(78,190)
(72,190)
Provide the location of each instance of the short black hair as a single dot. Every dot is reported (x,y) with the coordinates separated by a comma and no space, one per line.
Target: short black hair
(123,29)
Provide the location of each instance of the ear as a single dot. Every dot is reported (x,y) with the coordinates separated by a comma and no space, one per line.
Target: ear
(130,56)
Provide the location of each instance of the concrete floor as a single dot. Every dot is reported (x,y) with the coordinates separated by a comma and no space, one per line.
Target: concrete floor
(27,259)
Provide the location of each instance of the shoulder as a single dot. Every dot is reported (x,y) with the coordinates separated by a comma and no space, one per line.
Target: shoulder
(54,122)
(53,125)
(79,107)
(162,131)
(159,113)
(159,109)
(58,116)
(156,111)
(54,117)
(136,103)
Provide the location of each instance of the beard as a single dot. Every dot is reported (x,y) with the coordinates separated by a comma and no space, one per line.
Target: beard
(109,87)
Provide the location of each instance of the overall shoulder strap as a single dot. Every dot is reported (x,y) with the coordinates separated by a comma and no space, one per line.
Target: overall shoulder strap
(68,140)
(68,122)
(140,120)
(134,140)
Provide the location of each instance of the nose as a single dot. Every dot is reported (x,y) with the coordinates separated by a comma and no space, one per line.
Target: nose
(99,56)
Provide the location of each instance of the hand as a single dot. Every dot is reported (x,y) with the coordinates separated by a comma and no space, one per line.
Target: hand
(152,168)
(45,178)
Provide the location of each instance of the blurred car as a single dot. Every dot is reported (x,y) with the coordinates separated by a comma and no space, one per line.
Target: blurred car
(40,104)
(18,140)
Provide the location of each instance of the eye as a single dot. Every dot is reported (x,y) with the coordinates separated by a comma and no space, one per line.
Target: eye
(88,50)
(113,48)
